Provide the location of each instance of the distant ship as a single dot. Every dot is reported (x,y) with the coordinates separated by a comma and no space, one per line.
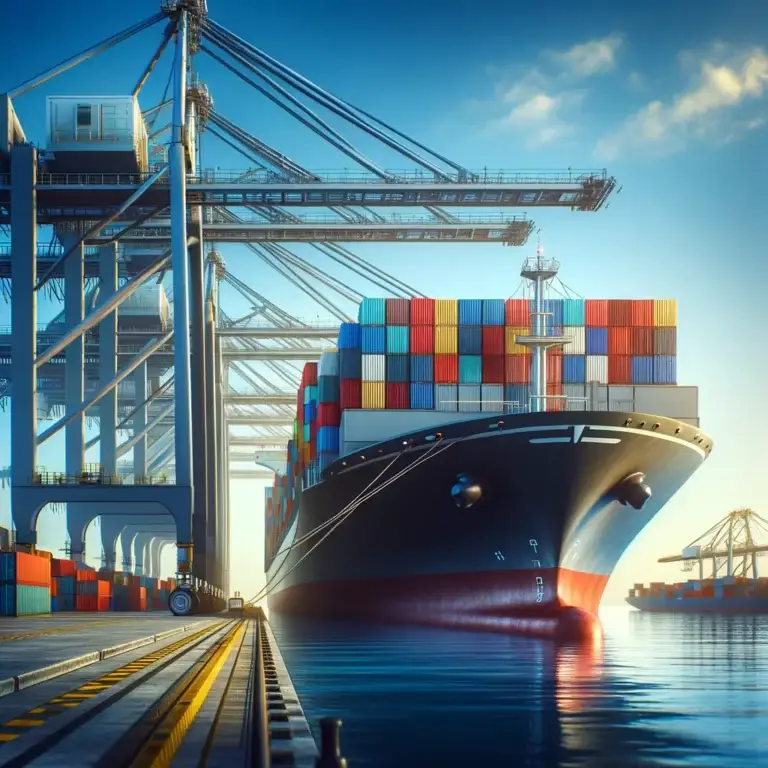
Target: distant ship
(507,521)
(728,554)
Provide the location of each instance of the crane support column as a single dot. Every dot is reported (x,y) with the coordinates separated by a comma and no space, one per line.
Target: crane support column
(211,399)
(180,267)
(24,337)
(108,361)
(200,524)
(140,422)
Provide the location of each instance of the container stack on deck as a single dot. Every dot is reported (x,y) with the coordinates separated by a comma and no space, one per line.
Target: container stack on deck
(727,587)
(25,584)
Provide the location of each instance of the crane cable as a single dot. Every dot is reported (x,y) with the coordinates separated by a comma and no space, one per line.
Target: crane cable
(341,516)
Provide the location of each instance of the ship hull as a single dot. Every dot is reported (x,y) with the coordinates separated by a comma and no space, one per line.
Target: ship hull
(719,605)
(532,555)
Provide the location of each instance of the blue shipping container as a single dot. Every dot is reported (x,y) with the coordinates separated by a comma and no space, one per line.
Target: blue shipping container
(397,369)
(328,389)
(350,336)
(398,337)
(328,439)
(470,312)
(470,340)
(422,369)
(642,369)
(555,306)
(326,458)
(372,312)
(574,369)
(665,369)
(307,433)
(493,312)
(470,369)
(66,585)
(374,339)
(422,396)
(516,396)
(351,363)
(310,393)
(597,341)
(574,312)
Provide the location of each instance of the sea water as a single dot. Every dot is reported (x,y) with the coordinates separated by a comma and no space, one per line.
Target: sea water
(658,690)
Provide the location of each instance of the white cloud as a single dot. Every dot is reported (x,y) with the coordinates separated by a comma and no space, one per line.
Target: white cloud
(541,102)
(591,58)
(703,112)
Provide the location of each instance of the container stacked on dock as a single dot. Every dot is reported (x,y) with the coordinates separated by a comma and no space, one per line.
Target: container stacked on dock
(63,588)
(25,584)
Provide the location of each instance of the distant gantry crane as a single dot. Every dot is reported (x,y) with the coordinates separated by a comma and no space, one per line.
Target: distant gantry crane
(136,222)
(730,547)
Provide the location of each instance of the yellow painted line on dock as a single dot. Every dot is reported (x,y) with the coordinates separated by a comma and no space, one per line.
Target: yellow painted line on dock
(159,749)
(39,715)
(60,630)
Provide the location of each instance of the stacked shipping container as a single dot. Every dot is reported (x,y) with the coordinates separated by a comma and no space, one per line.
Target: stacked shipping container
(25,584)
(463,355)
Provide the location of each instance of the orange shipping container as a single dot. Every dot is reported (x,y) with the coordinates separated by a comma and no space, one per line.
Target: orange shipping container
(422,312)
(596,313)
(54,587)
(517,312)
(619,313)
(554,370)
(61,568)
(555,403)
(620,341)
(642,341)
(641,313)
(446,369)
(620,369)
(32,571)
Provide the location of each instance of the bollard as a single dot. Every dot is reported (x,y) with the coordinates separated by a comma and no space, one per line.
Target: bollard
(260,747)
(330,744)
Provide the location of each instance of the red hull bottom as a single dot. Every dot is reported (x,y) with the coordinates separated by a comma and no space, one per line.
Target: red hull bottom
(500,601)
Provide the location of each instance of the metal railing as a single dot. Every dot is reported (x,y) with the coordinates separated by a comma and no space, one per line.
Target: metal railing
(92,475)
(409,176)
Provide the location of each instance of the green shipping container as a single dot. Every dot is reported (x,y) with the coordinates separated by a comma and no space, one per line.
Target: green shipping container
(23,600)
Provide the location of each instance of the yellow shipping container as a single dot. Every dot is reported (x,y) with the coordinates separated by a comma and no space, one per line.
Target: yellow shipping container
(446,340)
(665,313)
(374,394)
(446,311)
(512,347)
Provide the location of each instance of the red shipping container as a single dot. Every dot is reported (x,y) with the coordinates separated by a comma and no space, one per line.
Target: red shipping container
(81,575)
(619,369)
(54,587)
(422,340)
(596,313)
(446,369)
(328,415)
(493,369)
(103,588)
(493,339)
(555,401)
(398,395)
(32,571)
(422,312)
(619,313)
(642,341)
(103,604)
(62,568)
(309,375)
(641,313)
(517,313)
(86,603)
(554,370)
(397,311)
(619,341)
(517,369)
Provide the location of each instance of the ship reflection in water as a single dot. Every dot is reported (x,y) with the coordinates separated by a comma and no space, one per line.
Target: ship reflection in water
(659,690)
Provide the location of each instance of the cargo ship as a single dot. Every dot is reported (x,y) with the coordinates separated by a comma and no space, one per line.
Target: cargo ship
(725,558)
(480,464)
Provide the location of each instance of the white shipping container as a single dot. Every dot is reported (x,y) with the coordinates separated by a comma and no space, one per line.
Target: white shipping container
(492,396)
(109,129)
(576,391)
(446,397)
(671,401)
(469,398)
(578,337)
(329,363)
(361,428)
(597,368)
(374,367)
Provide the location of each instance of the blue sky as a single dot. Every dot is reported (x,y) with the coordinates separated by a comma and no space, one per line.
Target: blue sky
(672,101)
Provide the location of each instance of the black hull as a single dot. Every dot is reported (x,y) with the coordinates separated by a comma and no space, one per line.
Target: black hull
(532,555)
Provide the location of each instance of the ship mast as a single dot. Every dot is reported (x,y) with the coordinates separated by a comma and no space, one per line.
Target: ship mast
(539,272)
